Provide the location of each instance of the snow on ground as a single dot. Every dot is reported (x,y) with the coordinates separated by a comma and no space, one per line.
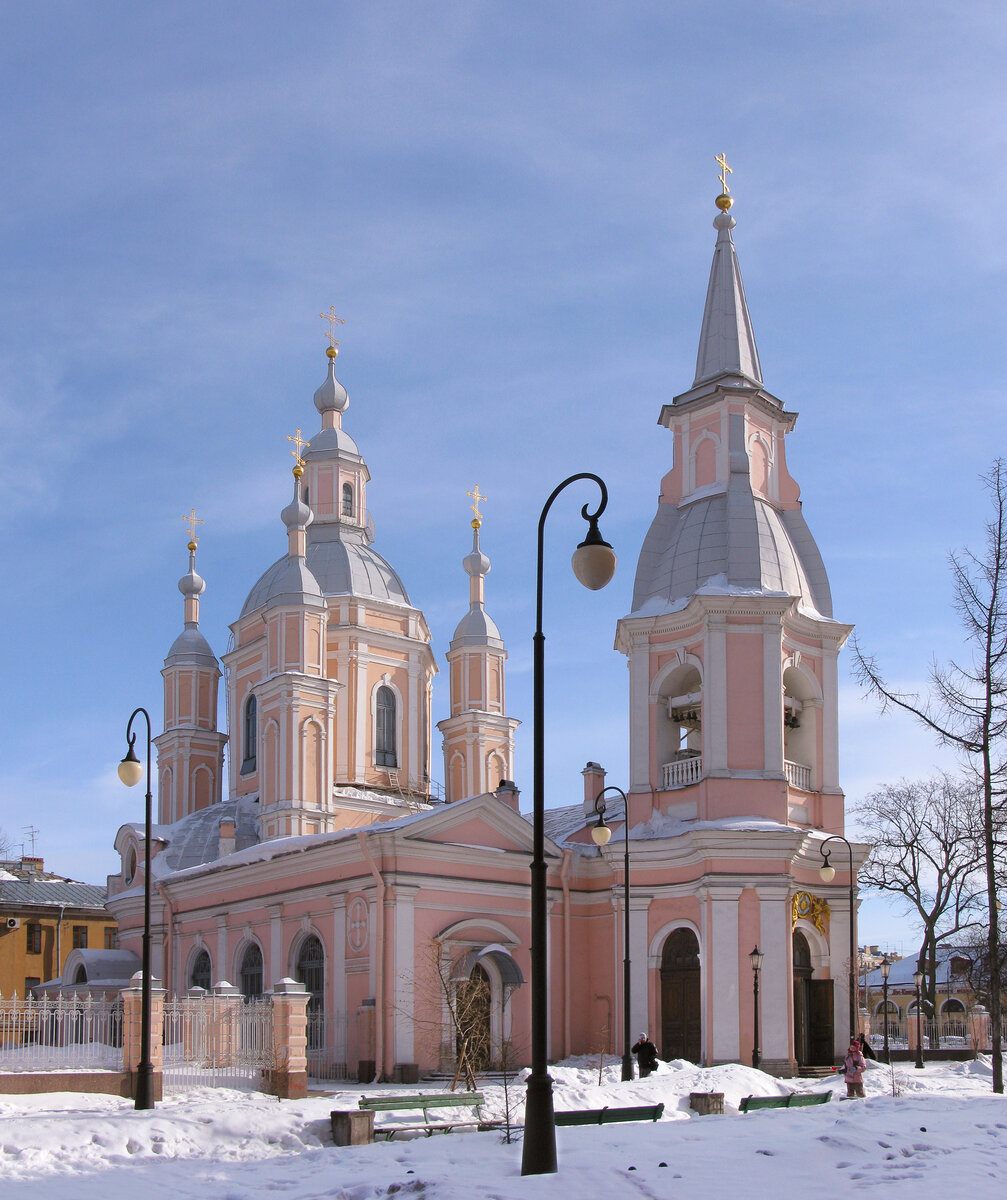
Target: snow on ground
(944,1134)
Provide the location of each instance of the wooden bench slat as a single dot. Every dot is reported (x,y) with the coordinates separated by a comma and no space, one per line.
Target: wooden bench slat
(793,1100)
(605,1116)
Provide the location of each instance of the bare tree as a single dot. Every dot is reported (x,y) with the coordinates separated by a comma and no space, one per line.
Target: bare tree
(966,706)
(928,849)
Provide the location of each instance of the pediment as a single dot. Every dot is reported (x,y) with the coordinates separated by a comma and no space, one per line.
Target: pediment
(482,822)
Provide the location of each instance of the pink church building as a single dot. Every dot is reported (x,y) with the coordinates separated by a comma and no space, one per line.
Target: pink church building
(331,860)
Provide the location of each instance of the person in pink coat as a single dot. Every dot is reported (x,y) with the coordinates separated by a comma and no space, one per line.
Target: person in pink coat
(854,1065)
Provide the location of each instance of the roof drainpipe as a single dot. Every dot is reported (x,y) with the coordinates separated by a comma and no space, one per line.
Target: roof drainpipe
(59,944)
(379,974)
(565,882)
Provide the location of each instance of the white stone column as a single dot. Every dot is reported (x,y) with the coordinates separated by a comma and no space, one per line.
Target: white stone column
(403,971)
(772,699)
(221,966)
(275,968)
(639,1000)
(776,990)
(639,717)
(337,967)
(715,695)
(722,974)
(830,719)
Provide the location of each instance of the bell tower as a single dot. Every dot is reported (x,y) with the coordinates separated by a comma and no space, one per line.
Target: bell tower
(731,643)
(190,751)
(478,736)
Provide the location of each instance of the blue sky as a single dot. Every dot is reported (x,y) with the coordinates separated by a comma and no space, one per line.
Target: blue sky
(511,206)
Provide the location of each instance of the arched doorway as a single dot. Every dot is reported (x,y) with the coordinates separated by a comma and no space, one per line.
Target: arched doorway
(472,1008)
(681,1022)
(310,970)
(814,1037)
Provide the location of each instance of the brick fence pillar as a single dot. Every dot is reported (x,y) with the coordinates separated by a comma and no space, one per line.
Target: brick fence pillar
(289,1076)
(979,1029)
(132,1024)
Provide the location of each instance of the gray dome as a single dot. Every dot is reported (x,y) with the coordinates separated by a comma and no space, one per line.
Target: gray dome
(342,564)
(328,440)
(717,546)
(288,581)
(190,647)
(331,396)
(477,628)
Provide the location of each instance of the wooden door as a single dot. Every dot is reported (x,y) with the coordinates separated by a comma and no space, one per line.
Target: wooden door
(821,1025)
(681,1020)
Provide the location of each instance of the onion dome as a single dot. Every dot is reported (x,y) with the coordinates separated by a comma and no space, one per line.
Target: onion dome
(331,396)
(477,627)
(190,647)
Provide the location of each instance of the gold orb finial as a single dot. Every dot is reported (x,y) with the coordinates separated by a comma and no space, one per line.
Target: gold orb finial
(725,199)
(331,352)
(298,471)
(191,546)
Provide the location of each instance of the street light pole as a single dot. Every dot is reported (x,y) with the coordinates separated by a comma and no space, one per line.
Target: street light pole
(828,873)
(593,564)
(886,966)
(131,772)
(918,980)
(601,834)
(756,956)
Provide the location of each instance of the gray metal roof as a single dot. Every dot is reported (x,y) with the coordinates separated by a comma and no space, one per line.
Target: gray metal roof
(51,893)
(726,340)
(195,839)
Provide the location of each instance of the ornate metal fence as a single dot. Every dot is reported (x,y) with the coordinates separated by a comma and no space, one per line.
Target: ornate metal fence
(327,1046)
(62,1033)
(217,1041)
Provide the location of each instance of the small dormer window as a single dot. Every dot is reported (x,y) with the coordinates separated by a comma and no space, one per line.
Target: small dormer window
(250,735)
(347,499)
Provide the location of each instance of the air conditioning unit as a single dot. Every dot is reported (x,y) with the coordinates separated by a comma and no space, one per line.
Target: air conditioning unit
(13,922)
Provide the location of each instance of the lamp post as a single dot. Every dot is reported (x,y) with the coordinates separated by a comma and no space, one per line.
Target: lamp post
(886,966)
(594,564)
(601,834)
(131,772)
(827,874)
(918,980)
(756,956)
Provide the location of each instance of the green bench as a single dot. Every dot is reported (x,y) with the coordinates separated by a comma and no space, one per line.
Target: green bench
(605,1116)
(424,1102)
(793,1100)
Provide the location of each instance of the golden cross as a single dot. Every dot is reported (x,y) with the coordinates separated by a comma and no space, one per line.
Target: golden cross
(299,443)
(333,321)
(478,500)
(191,521)
(725,170)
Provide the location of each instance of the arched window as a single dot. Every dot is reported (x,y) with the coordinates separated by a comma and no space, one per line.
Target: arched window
(347,499)
(310,971)
(200,975)
(251,972)
(384,733)
(251,733)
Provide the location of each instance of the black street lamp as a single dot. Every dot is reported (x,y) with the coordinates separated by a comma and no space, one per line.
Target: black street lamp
(593,564)
(131,772)
(828,873)
(886,966)
(756,956)
(601,834)
(918,980)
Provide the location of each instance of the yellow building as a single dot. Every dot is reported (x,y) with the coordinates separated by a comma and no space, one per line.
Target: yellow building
(42,918)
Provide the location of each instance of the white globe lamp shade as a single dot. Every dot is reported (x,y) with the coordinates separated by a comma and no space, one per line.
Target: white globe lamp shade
(601,834)
(827,873)
(130,769)
(594,563)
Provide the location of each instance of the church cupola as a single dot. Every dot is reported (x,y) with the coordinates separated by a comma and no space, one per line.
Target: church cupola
(731,642)
(478,736)
(190,750)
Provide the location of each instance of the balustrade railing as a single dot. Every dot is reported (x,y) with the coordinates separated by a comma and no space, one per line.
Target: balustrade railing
(798,775)
(683,772)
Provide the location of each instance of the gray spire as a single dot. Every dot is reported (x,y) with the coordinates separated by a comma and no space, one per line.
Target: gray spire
(726,341)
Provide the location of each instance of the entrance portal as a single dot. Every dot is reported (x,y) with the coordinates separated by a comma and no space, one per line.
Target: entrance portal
(681,1023)
(813,1016)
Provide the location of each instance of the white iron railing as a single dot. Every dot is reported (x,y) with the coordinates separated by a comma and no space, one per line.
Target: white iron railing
(683,772)
(217,1041)
(61,1033)
(798,775)
(327,1046)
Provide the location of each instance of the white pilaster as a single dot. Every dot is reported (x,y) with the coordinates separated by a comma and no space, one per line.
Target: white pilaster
(337,969)
(639,717)
(776,978)
(830,719)
(772,700)
(404,958)
(275,968)
(725,1043)
(639,1000)
(221,967)
(715,694)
